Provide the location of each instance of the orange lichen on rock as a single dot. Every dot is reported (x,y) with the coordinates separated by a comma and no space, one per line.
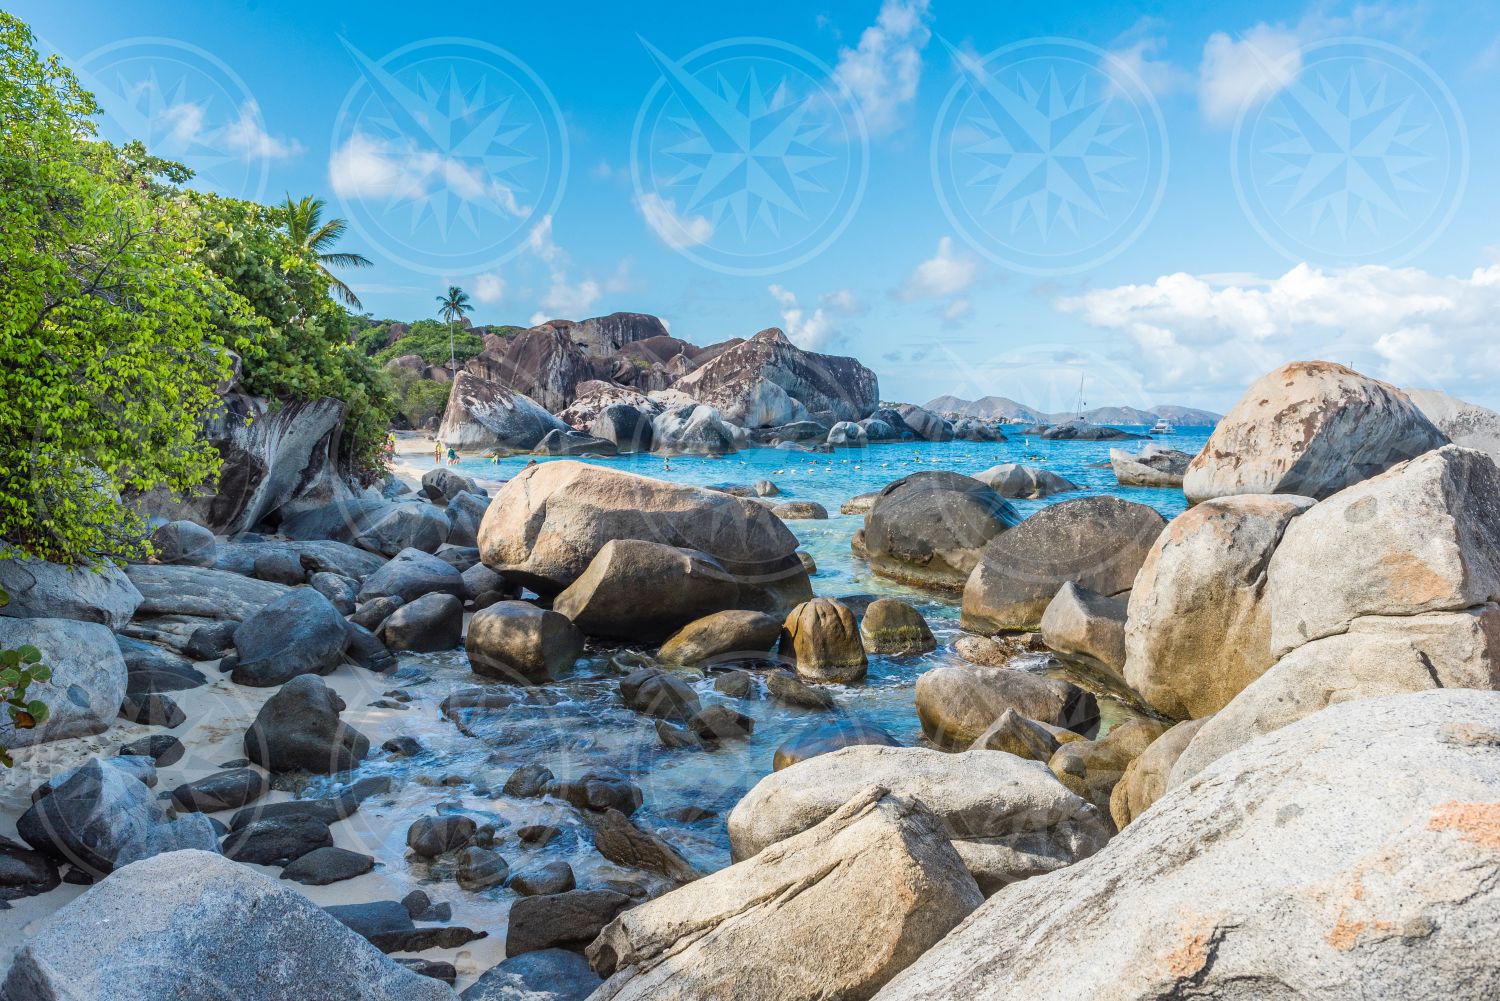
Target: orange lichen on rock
(1476,823)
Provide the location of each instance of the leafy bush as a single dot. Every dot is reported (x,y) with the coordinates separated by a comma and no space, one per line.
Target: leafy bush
(429,339)
(420,399)
(19,669)
(110,324)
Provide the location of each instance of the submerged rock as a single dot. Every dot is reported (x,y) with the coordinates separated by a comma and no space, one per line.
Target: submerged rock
(1029,482)
(827,737)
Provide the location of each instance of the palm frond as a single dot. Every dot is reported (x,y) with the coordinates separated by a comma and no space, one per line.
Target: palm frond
(345,260)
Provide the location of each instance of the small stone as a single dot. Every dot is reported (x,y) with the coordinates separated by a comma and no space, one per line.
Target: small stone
(152,709)
(480,869)
(162,748)
(549,877)
(537,835)
(432,836)
(527,782)
(328,864)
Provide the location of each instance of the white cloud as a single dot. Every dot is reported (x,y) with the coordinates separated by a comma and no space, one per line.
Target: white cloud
(948,272)
(957,309)
(539,241)
(489,288)
(843,301)
(1404,325)
(248,137)
(883,72)
(184,122)
(675,231)
(1238,73)
(813,331)
(365,167)
(1158,76)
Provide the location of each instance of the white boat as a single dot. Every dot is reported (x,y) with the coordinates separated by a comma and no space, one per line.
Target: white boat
(1163,426)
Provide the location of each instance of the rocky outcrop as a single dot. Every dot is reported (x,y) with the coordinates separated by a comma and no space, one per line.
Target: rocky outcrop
(759,930)
(1153,466)
(1309,428)
(928,529)
(485,414)
(683,585)
(373,524)
(274,459)
(1422,537)
(1028,482)
(546,525)
(694,429)
(1466,424)
(1009,819)
(1348,856)
(596,396)
(924,423)
(768,380)
(1379,655)
(1099,542)
(1081,430)
(42,590)
(604,335)
(543,363)
(88,680)
(199,591)
(1199,625)
(194,926)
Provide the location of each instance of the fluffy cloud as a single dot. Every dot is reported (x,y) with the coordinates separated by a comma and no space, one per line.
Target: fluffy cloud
(249,138)
(1244,71)
(844,302)
(814,331)
(675,231)
(947,273)
(883,71)
(365,167)
(489,288)
(1158,76)
(1404,325)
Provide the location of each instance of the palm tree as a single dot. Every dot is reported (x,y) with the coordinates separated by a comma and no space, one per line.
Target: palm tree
(453,307)
(304,223)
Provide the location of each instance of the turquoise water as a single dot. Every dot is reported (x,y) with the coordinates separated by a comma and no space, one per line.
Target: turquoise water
(578,723)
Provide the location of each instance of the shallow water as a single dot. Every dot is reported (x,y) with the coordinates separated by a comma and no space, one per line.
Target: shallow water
(579,723)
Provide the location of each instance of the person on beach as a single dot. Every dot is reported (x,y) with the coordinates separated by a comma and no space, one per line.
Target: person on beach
(437,452)
(452,457)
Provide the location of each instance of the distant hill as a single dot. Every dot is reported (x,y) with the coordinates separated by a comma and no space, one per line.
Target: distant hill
(1187,416)
(1109,415)
(987,407)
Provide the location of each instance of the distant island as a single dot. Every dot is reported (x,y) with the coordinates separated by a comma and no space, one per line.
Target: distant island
(1004,408)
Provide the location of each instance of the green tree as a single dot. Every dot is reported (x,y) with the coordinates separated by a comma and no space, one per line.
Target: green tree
(304,223)
(108,321)
(453,307)
(434,342)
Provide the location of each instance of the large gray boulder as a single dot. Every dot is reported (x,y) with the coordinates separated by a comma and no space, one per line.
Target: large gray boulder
(1087,627)
(519,642)
(1310,428)
(1153,466)
(927,529)
(372,523)
(1466,424)
(42,590)
(573,443)
(101,816)
(680,585)
(1422,537)
(1099,542)
(410,574)
(760,930)
(184,542)
(201,591)
(1198,628)
(1028,482)
(194,926)
(299,633)
(1379,655)
(314,555)
(429,624)
(626,427)
(1009,818)
(1346,857)
(767,380)
(483,414)
(88,682)
(443,484)
(695,429)
(465,513)
(546,525)
(924,423)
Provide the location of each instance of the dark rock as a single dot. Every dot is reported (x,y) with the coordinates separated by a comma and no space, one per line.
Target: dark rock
(152,710)
(375,611)
(388,926)
(689,814)
(572,443)
(403,746)
(528,781)
(543,975)
(518,642)
(549,877)
(600,789)
(152,669)
(805,510)
(277,840)
(226,790)
(674,737)
(410,574)
(25,873)
(338,589)
(298,633)
(720,723)
(211,641)
(325,811)
(569,920)
(298,729)
(1080,430)
(735,684)
(432,836)
(444,484)
(427,624)
(279,566)
(626,427)
(367,650)
(625,843)
(786,688)
(183,542)
(928,529)
(465,513)
(480,869)
(434,969)
(658,693)
(537,835)
(162,748)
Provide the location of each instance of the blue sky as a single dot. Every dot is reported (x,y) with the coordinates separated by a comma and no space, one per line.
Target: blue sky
(1165,200)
